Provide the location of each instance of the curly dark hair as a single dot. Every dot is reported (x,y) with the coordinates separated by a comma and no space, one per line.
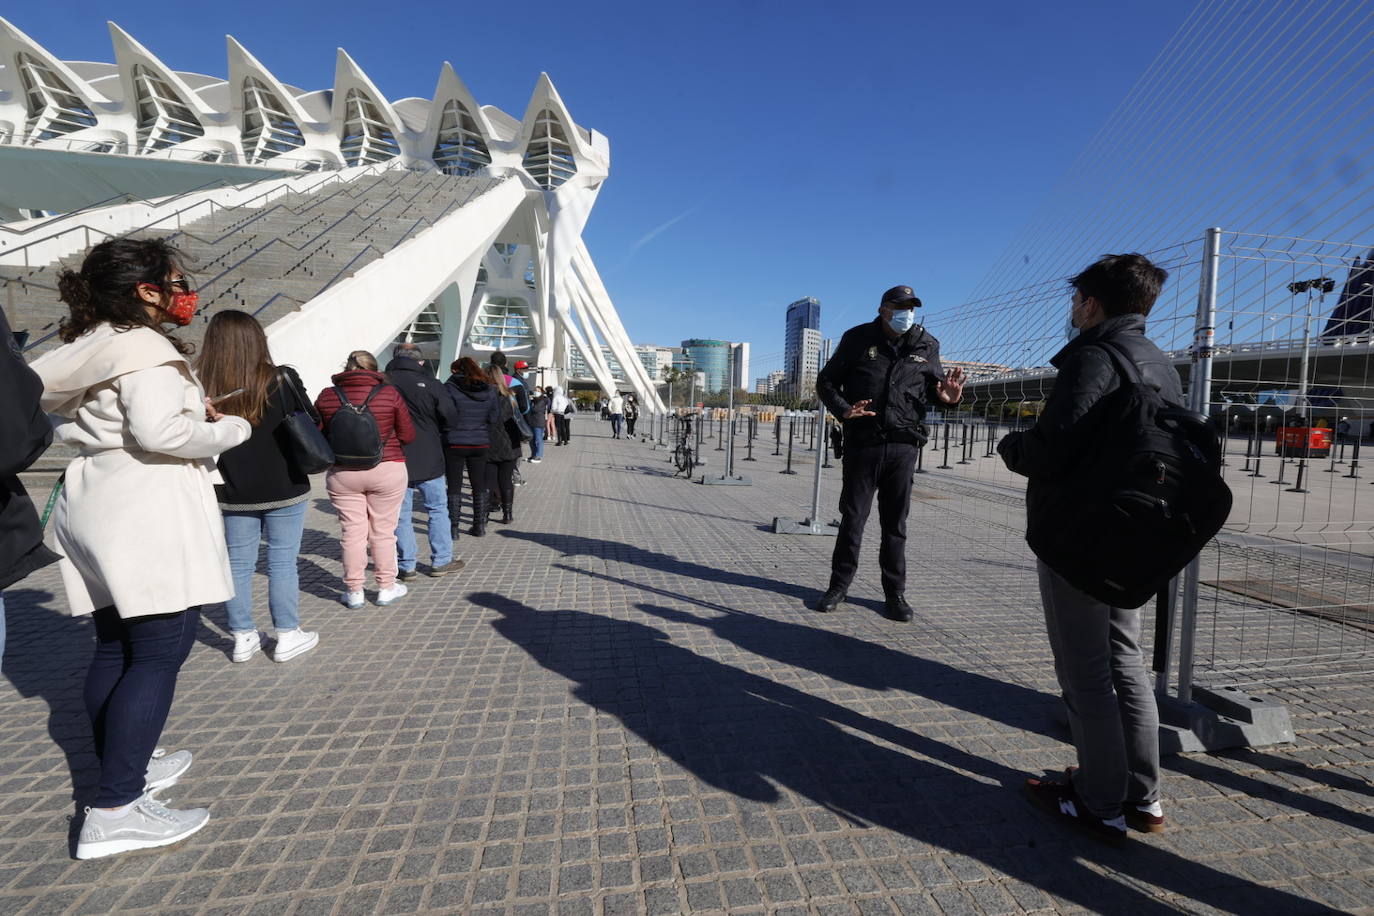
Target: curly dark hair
(104,291)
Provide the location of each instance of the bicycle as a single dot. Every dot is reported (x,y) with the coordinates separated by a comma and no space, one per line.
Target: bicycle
(683,456)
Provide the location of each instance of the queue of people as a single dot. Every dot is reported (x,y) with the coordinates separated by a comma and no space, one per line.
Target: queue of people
(188,464)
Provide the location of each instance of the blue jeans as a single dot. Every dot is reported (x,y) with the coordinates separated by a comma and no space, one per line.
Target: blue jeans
(434,494)
(129,691)
(537,443)
(616,420)
(242,532)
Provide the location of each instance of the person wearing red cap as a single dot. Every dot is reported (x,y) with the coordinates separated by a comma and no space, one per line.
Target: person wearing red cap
(880,381)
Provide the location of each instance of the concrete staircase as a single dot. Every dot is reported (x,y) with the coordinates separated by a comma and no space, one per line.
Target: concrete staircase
(270,260)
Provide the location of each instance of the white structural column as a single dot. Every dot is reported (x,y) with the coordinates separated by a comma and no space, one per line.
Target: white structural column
(603,314)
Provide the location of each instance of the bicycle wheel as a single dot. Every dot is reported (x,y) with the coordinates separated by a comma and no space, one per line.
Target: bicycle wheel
(682,459)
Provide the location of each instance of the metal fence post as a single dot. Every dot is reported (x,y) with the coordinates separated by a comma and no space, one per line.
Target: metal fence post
(1200,397)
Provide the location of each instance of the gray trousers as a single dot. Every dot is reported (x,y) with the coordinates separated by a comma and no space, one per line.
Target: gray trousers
(1112,711)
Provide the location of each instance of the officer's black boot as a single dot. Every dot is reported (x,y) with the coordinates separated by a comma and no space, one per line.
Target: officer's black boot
(833,598)
(896,608)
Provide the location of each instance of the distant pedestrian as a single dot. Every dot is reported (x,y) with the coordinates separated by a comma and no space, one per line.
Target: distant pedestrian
(616,406)
(1097,656)
(137,521)
(880,382)
(504,451)
(538,421)
(563,411)
(368,499)
(432,414)
(631,414)
(264,494)
(476,407)
(24,435)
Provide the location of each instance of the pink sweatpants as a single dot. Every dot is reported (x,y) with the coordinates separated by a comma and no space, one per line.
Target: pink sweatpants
(369,504)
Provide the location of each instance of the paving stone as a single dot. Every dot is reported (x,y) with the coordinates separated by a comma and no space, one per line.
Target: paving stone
(621,705)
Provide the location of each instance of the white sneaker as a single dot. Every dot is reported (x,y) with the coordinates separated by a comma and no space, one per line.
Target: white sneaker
(147,823)
(291,643)
(391,593)
(352,600)
(536,460)
(247,643)
(164,769)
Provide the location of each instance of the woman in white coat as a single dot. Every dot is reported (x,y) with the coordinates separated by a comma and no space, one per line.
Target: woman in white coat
(137,521)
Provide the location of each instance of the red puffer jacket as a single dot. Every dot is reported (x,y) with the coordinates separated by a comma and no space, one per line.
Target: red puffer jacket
(393,418)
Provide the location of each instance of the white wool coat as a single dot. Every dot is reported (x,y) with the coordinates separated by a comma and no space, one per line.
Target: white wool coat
(137,520)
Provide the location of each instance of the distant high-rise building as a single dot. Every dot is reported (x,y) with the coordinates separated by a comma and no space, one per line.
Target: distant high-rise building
(770,383)
(741,361)
(802,350)
(712,358)
(656,360)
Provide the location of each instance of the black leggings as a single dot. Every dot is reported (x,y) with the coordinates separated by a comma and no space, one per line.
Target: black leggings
(501,482)
(455,460)
(564,427)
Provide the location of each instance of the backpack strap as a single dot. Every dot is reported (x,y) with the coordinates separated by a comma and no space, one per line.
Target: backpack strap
(370,395)
(343,398)
(1124,366)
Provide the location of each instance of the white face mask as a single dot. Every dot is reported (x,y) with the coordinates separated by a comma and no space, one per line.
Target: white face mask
(1070,330)
(902,320)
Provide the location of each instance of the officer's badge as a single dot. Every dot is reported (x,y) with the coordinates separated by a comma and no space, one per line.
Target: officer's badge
(916,359)
(872,352)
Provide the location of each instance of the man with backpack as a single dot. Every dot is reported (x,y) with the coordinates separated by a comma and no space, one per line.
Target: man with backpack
(1096,646)
(432,414)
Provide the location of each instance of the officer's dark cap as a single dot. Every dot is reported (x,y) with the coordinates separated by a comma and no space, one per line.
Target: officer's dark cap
(900,295)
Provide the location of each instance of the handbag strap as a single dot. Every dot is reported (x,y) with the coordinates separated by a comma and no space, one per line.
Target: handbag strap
(284,382)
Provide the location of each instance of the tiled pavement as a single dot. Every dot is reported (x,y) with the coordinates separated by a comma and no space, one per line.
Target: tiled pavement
(622,706)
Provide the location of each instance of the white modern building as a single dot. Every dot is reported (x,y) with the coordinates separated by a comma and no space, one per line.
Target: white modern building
(656,360)
(438,217)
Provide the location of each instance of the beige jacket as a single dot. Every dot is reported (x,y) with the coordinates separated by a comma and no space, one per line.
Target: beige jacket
(137,518)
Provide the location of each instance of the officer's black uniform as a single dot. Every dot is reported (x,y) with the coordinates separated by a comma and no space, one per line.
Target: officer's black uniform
(901,378)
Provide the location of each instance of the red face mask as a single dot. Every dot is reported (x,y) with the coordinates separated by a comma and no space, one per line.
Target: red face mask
(183,307)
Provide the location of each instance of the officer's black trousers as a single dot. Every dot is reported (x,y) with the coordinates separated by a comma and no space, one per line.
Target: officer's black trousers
(887,469)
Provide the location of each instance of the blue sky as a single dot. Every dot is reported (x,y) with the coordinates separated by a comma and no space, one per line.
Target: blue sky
(760,151)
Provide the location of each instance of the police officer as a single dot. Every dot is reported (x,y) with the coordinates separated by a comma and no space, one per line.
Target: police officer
(879,381)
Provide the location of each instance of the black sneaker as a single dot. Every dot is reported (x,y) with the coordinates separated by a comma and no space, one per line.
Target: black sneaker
(1061,800)
(406,575)
(833,598)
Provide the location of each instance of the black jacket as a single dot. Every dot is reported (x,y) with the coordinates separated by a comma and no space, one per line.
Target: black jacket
(24,435)
(475,406)
(539,412)
(431,412)
(1049,452)
(502,447)
(259,471)
(900,377)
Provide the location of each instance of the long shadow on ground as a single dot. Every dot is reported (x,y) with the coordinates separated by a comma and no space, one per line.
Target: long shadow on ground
(830,654)
(748,735)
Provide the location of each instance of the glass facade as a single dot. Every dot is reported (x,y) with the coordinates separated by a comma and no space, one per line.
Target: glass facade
(710,357)
(503,323)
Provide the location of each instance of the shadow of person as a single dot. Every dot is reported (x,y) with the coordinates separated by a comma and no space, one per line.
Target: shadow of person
(46,656)
(860,662)
(749,735)
(573,545)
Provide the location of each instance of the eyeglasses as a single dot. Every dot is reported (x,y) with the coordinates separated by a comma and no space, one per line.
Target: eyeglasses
(179,285)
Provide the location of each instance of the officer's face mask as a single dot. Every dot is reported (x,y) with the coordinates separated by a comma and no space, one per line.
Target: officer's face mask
(902,320)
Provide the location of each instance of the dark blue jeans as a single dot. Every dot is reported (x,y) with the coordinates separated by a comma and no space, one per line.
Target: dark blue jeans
(129,690)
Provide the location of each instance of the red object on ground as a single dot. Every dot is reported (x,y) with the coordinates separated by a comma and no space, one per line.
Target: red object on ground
(1303,441)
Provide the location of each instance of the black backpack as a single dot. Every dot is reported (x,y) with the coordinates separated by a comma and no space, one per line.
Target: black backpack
(353,433)
(1146,500)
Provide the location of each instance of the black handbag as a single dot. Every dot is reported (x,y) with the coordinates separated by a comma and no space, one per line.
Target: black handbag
(305,445)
